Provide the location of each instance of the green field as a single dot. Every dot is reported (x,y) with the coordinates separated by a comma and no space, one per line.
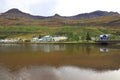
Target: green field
(72,32)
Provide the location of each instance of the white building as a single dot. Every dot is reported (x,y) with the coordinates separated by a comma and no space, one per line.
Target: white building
(60,38)
(35,39)
(9,41)
(47,38)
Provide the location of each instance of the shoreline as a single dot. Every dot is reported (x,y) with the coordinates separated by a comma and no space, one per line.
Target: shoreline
(67,42)
(59,43)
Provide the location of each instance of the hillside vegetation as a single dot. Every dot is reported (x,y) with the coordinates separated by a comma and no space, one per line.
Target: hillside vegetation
(70,31)
(17,24)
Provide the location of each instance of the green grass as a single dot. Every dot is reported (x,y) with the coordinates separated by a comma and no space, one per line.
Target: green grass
(30,31)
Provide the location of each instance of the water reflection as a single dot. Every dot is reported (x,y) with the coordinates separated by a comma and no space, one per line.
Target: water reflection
(48,47)
(56,47)
(85,55)
(61,73)
(32,47)
(104,49)
(5,74)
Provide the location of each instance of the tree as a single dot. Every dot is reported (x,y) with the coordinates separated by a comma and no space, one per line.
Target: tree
(76,37)
(39,36)
(3,36)
(88,36)
(70,36)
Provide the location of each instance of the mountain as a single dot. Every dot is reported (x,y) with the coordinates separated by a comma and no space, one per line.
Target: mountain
(95,14)
(96,18)
(17,14)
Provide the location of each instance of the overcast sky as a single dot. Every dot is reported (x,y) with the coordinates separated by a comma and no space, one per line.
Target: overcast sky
(62,7)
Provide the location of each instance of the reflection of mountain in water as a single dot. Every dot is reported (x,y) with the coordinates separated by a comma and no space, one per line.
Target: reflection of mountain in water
(61,73)
(16,56)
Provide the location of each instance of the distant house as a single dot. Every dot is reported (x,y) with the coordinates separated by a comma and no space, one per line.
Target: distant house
(9,41)
(104,36)
(60,38)
(35,39)
(47,38)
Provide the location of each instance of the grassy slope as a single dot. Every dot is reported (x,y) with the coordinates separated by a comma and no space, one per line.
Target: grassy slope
(30,31)
(58,21)
(57,25)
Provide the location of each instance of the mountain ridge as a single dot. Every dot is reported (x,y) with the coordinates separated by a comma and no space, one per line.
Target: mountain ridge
(18,14)
(16,17)
(93,14)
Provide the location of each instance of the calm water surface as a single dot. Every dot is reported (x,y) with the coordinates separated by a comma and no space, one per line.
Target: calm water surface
(59,62)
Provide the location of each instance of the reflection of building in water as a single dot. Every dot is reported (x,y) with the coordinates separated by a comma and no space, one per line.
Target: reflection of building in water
(49,47)
(104,49)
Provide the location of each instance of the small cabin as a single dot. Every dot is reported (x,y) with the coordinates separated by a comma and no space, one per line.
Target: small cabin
(47,38)
(104,37)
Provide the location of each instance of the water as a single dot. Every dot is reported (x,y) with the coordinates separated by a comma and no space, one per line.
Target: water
(59,62)
(60,73)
